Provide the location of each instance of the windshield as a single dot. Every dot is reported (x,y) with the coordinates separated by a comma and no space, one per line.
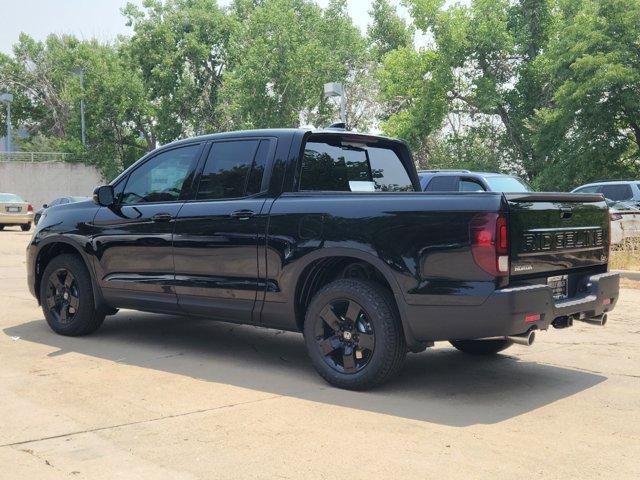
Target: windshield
(507,184)
(10,197)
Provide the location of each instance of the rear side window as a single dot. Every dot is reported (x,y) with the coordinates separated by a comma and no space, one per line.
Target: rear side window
(352,167)
(233,169)
(617,192)
(442,183)
(467,185)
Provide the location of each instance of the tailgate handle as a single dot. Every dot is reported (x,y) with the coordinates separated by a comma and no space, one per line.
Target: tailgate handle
(565,213)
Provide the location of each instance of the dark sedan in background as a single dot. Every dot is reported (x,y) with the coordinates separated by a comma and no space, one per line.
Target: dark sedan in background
(57,201)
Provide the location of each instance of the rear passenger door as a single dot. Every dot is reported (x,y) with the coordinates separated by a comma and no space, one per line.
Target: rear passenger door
(216,235)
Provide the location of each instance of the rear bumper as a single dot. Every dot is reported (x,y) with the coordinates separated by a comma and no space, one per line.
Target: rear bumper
(504,311)
(16,219)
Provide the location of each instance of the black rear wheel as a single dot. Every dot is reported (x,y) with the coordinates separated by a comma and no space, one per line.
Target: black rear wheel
(26,227)
(66,296)
(482,347)
(353,334)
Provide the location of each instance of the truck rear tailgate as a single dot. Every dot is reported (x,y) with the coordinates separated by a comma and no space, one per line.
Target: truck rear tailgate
(551,233)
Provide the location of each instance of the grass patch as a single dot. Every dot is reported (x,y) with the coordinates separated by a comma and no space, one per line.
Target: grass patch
(625,256)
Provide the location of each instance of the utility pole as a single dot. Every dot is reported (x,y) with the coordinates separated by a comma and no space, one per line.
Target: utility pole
(8,98)
(80,71)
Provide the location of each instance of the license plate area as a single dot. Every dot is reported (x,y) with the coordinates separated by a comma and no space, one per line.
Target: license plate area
(14,209)
(559,286)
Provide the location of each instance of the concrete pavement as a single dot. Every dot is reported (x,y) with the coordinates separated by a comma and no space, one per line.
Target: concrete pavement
(150,396)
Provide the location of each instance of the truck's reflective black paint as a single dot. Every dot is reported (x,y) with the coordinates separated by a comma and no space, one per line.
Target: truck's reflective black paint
(206,258)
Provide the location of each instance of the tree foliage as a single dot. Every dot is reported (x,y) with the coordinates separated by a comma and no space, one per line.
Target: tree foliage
(548,89)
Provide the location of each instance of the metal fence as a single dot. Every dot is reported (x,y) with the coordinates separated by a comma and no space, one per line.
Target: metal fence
(33,156)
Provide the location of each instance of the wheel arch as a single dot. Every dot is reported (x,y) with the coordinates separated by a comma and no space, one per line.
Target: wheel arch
(54,247)
(327,265)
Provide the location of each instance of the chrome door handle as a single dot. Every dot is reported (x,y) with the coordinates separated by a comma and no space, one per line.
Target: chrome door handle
(242,214)
(162,217)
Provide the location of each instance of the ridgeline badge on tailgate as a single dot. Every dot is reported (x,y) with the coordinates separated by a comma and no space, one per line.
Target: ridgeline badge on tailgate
(544,240)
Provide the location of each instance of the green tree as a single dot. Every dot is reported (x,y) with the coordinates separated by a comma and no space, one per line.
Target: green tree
(280,56)
(591,130)
(180,48)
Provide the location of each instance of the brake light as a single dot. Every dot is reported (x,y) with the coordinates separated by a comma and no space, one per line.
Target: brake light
(489,237)
(532,317)
(30,208)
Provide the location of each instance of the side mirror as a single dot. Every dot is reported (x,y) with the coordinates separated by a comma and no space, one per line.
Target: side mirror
(104,196)
(44,205)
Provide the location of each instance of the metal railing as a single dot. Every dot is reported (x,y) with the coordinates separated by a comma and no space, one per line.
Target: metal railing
(33,156)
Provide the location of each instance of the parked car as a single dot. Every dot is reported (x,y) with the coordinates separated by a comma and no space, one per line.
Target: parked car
(468,181)
(623,197)
(625,221)
(14,211)
(328,233)
(57,201)
(627,191)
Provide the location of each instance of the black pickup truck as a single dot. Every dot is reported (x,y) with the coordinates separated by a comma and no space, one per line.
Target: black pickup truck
(324,232)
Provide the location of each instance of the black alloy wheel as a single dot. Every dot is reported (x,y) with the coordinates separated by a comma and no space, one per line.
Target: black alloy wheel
(345,336)
(353,334)
(67,298)
(62,296)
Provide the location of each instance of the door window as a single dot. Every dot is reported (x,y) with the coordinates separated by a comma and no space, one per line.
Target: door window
(162,178)
(618,192)
(589,189)
(233,169)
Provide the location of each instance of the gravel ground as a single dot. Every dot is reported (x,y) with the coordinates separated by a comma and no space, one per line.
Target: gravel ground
(152,396)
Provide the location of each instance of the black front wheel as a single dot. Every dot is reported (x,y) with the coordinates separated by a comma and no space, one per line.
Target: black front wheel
(353,334)
(66,296)
(26,227)
(482,347)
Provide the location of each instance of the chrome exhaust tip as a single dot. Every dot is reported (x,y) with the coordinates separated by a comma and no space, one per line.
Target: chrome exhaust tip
(600,320)
(525,339)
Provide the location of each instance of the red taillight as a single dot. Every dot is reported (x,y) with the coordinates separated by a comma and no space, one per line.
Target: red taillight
(532,317)
(30,208)
(489,237)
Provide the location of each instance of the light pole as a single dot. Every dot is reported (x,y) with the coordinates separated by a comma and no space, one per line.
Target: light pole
(335,89)
(8,98)
(80,71)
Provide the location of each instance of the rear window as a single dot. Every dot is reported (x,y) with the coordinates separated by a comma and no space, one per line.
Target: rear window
(617,192)
(352,167)
(10,197)
(507,184)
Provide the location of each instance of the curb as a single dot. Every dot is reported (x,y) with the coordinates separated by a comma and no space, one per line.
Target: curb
(628,274)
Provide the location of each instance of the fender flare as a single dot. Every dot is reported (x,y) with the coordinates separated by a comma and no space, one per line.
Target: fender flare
(373,260)
(63,239)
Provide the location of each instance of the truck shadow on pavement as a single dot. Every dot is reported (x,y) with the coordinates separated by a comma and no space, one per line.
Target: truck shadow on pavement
(441,386)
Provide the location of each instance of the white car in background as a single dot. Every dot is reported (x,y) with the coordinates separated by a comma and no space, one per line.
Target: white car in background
(14,211)
(623,198)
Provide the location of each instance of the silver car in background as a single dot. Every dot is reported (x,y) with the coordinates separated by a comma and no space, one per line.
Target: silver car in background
(15,212)
(623,198)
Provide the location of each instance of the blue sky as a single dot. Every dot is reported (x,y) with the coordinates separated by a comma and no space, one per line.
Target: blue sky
(86,19)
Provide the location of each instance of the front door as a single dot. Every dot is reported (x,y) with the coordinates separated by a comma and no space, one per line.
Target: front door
(216,235)
(133,239)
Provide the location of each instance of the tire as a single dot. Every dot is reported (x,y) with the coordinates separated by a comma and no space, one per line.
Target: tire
(1,227)
(26,228)
(353,334)
(481,347)
(67,302)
